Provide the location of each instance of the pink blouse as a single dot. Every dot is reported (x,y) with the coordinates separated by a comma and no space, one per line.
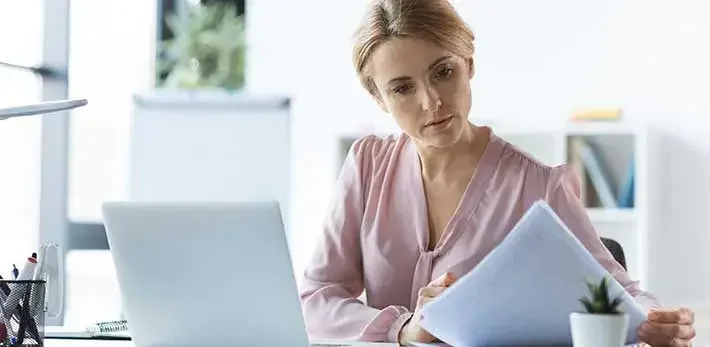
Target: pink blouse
(376,233)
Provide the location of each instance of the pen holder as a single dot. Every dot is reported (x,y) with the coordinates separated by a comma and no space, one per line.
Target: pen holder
(22,313)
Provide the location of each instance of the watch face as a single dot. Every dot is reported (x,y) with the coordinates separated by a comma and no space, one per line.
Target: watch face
(41,108)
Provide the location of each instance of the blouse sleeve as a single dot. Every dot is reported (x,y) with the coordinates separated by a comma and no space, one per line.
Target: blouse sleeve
(333,280)
(563,196)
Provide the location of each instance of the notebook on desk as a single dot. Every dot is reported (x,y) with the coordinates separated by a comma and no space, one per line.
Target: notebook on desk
(112,330)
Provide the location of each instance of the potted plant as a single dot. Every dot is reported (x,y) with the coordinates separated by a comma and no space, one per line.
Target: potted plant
(601,324)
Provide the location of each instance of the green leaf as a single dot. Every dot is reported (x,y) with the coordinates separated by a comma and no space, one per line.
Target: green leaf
(599,300)
(615,304)
(587,305)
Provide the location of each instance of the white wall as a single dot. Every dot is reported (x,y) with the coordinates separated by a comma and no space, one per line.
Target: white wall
(109,62)
(309,60)
(20,139)
(536,61)
(648,57)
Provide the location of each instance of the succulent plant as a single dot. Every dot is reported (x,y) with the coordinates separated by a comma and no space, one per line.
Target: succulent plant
(599,301)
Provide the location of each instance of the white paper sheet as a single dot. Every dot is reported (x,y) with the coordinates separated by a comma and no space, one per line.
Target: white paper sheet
(523,292)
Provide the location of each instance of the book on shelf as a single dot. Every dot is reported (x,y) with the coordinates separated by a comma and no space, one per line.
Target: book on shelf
(597,114)
(626,191)
(577,164)
(598,187)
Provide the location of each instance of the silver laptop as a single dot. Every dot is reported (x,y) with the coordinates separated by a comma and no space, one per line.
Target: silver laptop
(205,274)
(40,108)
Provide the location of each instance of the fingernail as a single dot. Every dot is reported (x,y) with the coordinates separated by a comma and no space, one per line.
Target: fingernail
(449,278)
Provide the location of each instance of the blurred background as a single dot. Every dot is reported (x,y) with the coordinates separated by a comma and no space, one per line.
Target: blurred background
(181,93)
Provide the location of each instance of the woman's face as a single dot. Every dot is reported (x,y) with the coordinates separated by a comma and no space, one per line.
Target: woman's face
(424,87)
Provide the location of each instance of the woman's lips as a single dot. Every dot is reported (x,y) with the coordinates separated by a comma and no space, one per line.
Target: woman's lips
(440,123)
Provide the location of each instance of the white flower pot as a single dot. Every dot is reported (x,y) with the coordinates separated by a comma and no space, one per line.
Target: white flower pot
(598,330)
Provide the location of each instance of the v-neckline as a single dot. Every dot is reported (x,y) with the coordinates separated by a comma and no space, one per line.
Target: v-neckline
(469,199)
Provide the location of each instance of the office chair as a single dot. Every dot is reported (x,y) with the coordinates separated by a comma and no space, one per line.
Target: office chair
(616,250)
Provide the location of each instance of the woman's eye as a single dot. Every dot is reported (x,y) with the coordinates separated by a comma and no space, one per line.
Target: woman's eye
(402,89)
(444,72)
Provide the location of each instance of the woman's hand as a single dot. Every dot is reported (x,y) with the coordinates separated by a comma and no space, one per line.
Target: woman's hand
(412,332)
(672,328)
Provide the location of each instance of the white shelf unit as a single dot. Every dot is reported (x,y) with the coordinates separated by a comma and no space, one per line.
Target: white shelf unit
(616,145)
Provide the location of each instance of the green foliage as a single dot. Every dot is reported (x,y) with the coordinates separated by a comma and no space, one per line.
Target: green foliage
(207,51)
(599,301)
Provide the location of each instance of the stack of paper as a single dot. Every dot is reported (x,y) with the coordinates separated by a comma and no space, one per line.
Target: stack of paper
(523,292)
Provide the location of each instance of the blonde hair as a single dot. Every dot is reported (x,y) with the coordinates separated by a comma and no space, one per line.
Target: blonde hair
(434,20)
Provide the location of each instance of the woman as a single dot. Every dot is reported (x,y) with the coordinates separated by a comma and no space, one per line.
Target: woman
(414,212)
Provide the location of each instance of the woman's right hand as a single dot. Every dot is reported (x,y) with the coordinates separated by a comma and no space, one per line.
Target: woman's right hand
(412,332)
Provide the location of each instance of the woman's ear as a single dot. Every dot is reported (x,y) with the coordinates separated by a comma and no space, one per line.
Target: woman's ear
(471,67)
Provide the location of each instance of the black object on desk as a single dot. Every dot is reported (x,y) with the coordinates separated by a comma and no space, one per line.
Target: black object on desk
(616,250)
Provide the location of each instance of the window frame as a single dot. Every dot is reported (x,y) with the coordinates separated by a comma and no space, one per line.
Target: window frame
(53,77)
(53,225)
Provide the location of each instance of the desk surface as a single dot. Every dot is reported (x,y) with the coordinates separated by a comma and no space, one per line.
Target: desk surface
(86,343)
(110,343)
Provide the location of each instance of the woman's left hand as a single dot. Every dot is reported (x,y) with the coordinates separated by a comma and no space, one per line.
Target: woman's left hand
(668,327)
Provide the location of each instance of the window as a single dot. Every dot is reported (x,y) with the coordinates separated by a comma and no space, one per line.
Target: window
(110,59)
(20,138)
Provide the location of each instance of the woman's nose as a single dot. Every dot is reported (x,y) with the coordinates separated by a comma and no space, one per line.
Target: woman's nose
(431,100)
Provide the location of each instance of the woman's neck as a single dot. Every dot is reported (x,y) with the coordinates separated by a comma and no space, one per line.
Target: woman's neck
(458,160)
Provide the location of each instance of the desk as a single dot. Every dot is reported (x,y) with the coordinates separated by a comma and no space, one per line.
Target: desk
(110,343)
(86,343)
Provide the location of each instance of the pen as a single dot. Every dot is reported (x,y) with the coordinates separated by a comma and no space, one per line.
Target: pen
(37,306)
(15,271)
